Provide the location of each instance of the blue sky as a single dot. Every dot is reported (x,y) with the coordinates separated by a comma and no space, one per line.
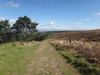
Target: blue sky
(54,14)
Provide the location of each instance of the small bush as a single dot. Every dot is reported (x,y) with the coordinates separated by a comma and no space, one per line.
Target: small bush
(40,36)
(13,44)
(69,57)
(21,43)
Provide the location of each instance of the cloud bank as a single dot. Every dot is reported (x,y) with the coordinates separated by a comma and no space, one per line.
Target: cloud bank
(12,4)
(88,19)
(98,14)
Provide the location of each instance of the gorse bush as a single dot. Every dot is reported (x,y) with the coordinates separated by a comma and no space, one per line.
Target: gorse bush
(40,36)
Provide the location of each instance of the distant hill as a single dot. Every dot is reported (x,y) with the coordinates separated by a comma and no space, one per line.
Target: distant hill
(61,31)
(87,35)
(57,31)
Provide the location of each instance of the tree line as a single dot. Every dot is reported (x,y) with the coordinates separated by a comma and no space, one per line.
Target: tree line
(22,30)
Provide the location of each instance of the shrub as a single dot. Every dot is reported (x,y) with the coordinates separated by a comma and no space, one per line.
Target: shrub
(40,36)
(69,57)
(13,44)
(91,54)
(21,43)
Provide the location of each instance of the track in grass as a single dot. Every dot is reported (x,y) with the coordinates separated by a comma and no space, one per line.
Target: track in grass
(47,61)
(34,58)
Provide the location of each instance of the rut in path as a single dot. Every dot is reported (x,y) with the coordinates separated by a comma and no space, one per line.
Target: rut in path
(48,62)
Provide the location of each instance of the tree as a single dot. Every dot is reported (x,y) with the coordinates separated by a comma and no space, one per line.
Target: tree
(24,27)
(24,24)
(4,30)
(4,26)
(23,30)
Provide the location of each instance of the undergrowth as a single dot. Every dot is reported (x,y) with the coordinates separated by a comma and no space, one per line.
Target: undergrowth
(80,57)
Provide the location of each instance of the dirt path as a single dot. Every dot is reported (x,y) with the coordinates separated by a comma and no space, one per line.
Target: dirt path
(48,62)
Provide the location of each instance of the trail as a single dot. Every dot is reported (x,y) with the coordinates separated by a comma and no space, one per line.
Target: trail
(47,61)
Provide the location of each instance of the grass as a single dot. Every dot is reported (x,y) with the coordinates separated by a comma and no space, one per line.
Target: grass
(14,57)
(47,61)
(33,58)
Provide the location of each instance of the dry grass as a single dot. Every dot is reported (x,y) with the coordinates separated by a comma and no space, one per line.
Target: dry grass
(90,50)
(84,55)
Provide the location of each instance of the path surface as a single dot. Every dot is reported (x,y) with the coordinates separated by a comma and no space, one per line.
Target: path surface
(47,61)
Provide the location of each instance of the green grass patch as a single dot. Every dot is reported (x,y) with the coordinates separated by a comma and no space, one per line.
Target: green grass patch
(14,57)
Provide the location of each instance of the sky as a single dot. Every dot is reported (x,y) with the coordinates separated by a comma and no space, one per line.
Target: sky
(54,14)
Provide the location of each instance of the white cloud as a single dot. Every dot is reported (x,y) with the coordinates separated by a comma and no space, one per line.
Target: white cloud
(88,19)
(2,18)
(77,23)
(97,14)
(12,4)
(12,21)
(15,5)
(52,23)
(53,27)
(60,27)
(33,20)
(8,3)
(49,23)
